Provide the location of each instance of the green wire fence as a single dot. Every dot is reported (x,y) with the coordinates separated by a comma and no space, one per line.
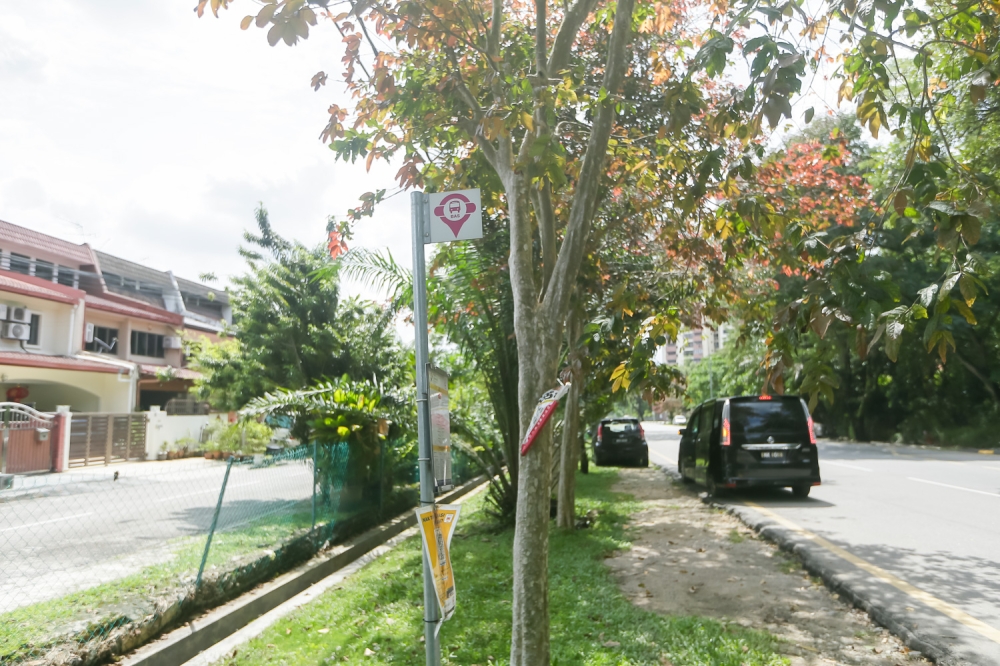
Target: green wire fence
(88,560)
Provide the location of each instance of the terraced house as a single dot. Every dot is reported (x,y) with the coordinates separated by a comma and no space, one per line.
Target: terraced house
(96,332)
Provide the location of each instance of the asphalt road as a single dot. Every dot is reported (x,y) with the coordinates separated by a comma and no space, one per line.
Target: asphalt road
(60,533)
(917,529)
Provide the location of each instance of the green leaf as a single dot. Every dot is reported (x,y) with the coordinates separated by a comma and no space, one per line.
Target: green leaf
(810,112)
(971,228)
(968,288)
(965,311)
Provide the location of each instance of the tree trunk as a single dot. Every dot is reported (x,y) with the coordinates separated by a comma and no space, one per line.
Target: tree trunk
(529,644)
(566,517)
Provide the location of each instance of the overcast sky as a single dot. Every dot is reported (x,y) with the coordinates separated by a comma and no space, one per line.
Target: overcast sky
(152,134)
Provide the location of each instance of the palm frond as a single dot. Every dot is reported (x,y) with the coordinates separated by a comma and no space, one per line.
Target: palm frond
(382,272)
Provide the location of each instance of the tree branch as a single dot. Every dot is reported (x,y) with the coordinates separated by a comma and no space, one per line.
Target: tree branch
(471,128)
(566,37)
(493,43)
(556,298)
(541,197)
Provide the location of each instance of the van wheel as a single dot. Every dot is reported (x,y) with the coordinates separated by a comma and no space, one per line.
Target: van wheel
(714,490)
(680,470)
(801,491)
(644,461)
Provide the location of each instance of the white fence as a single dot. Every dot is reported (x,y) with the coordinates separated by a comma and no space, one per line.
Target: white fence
(164,430)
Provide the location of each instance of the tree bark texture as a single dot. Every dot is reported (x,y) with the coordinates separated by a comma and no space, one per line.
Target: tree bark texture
(566,516)
(530,607)
(541,299)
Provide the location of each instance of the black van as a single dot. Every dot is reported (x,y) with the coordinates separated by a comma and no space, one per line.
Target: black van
(750,441)
(620,440)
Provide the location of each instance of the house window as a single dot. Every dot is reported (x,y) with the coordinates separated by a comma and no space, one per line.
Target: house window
(34,330)
(66,276)
(20,263)
(44,269)
(105,341)
(147,344)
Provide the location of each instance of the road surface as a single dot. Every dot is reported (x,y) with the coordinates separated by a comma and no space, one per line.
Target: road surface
(919,528)
(60,533)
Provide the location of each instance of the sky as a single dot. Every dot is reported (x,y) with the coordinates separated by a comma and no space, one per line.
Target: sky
(153,135)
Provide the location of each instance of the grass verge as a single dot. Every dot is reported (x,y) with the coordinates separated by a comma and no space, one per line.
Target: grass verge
(375,616)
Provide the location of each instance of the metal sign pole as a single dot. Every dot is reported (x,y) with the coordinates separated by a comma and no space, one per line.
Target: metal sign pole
(418,207)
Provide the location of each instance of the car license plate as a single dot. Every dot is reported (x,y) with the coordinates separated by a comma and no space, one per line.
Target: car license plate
(775,456)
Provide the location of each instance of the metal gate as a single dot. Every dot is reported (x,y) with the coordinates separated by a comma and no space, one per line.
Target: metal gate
(26,439)
(101,439)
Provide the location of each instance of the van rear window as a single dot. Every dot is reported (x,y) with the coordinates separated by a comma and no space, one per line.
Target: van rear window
(754,421)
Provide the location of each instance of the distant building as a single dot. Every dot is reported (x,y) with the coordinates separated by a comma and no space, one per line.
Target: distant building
(87,329)
(693,345)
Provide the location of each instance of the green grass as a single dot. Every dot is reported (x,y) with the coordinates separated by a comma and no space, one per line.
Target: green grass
(735,536)
(592,623)
(88,614)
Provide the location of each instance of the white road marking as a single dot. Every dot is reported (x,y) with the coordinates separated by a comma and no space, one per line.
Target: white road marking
(45,522)
(840,464)
(202,492)
(948,485)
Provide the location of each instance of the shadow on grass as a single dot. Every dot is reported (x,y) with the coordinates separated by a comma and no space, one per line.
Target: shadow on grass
(592,623)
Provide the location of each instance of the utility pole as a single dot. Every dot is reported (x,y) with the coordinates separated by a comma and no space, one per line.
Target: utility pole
(418,208)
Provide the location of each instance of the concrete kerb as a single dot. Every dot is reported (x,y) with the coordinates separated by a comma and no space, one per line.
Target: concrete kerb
(818,562)
(821,563)
(189,641)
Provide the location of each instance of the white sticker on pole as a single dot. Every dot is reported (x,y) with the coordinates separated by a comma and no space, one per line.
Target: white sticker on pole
(455,216)
(437,380)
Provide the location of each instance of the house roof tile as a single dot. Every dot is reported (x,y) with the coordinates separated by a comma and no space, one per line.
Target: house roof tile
(31,286)
(77,253)
(25,359)
(152,314)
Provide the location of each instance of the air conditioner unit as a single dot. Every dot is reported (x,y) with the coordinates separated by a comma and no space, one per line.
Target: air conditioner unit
(16,331)
(172,342)
(88,333)
(19,314)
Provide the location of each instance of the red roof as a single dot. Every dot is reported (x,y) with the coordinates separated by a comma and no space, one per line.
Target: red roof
(80,254)
(148,370)
(55,362)
(107,305)
(26,285)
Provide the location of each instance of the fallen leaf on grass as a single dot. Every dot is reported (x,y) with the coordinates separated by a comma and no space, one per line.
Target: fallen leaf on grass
(288,631)
(324,630)
(369,653)
(612,644)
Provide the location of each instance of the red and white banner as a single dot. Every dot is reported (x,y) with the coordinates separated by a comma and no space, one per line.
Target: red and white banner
(543,412)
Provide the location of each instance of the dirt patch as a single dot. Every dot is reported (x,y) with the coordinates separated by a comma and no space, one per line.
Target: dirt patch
(690,559)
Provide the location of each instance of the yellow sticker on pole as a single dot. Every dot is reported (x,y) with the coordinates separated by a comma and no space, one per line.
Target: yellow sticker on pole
(437,525)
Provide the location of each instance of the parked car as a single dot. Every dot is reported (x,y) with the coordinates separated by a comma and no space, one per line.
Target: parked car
(619,440)
(747,441)
(680,419)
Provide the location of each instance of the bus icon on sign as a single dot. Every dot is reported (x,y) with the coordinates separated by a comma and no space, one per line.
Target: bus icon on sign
(453,216)
(454,210)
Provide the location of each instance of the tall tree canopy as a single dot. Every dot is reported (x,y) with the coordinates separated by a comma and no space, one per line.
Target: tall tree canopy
(292,331)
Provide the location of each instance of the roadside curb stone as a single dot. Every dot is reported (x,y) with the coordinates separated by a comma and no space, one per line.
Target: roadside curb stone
(820,563)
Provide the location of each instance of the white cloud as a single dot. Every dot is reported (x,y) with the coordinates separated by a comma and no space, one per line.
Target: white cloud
(153,134)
